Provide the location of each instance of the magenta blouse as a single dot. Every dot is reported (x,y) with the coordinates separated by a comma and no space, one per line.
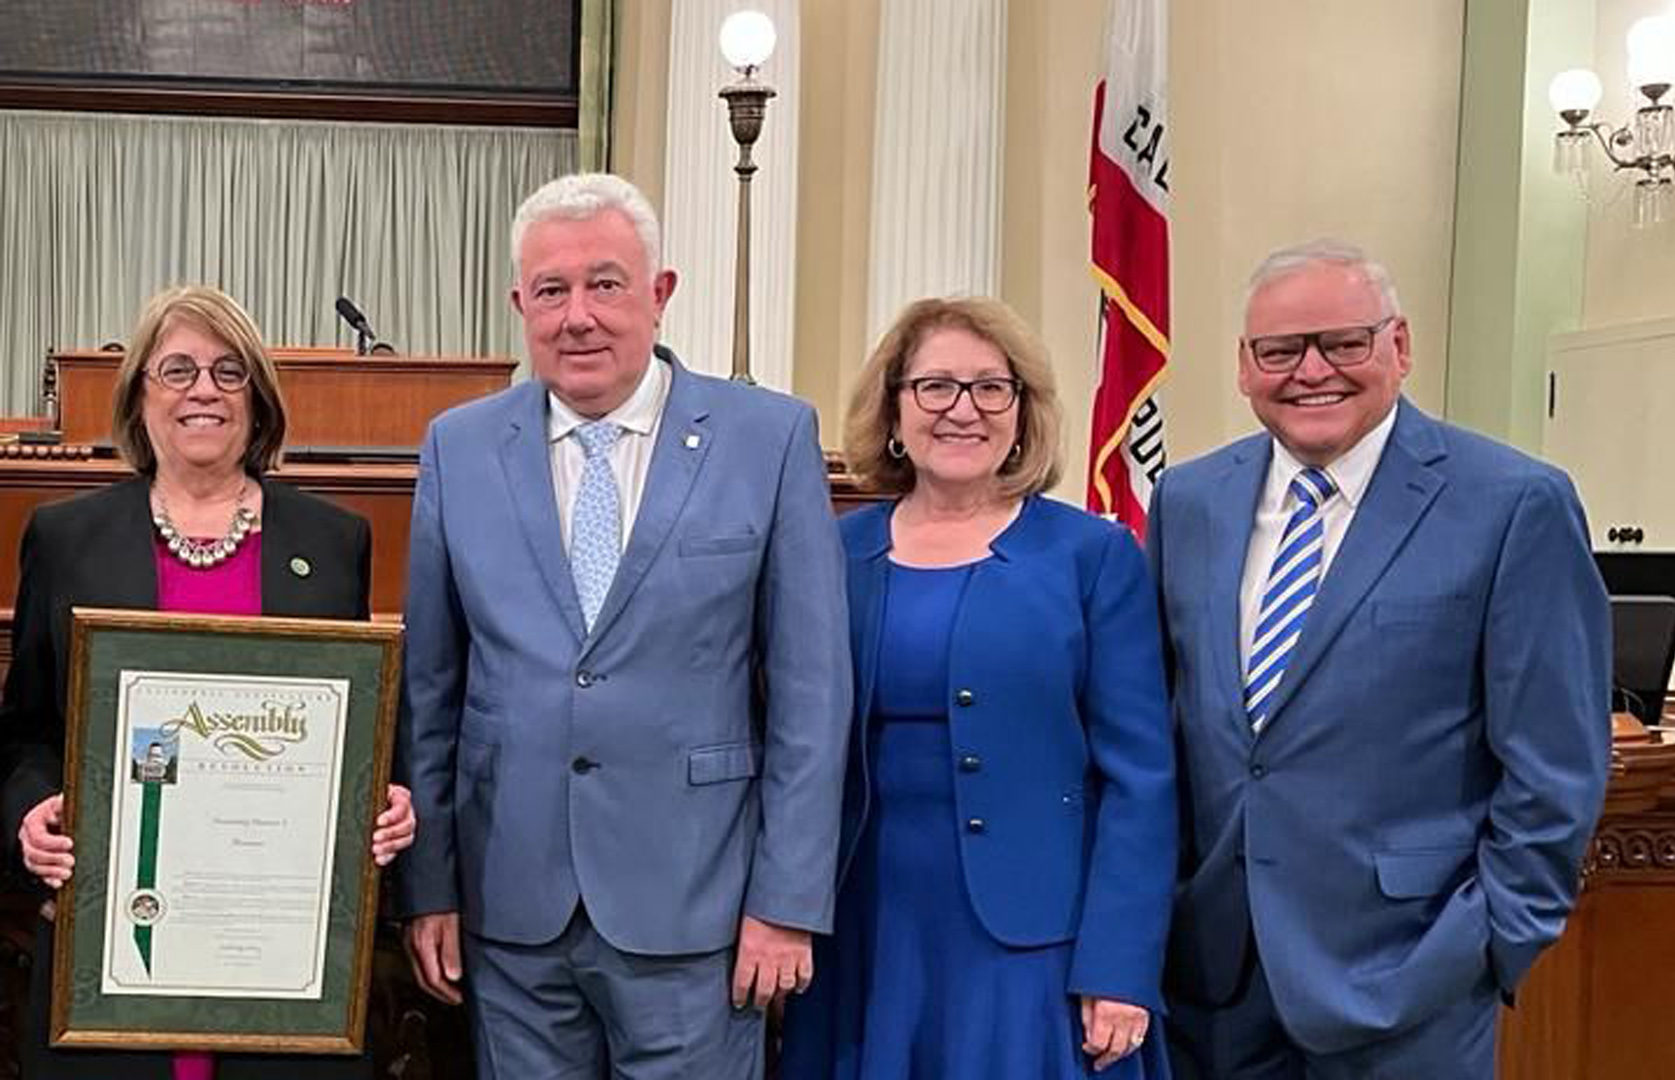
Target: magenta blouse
(230,588)
(233,587)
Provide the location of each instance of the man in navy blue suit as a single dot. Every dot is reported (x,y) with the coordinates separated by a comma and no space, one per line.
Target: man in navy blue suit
(1389,653)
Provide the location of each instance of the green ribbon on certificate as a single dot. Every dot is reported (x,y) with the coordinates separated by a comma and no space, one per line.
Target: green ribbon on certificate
(151,809)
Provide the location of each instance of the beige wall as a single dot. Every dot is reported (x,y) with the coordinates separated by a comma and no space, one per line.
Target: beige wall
(1308,119)
(1628,271)
(1054,55)
(1291,121)
(834,191)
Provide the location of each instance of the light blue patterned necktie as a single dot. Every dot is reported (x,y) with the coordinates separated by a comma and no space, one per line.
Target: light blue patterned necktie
(1288,594)
(595,519)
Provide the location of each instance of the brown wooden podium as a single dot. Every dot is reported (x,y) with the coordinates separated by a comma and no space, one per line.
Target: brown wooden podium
(333,398)
(1595,1006)
(355,424)
(354,427)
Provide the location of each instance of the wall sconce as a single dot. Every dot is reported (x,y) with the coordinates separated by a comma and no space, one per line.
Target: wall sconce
(1646,145)
(747,40)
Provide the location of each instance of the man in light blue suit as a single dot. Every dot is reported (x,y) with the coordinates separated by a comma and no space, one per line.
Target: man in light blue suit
(627,682)
(1389,655)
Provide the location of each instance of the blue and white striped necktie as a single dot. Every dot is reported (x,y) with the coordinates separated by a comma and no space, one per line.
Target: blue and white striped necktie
(1292,583)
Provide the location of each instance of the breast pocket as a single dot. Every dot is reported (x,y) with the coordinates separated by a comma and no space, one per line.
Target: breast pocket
(697,547)
(718,576)
(1426,649)
(1436,614)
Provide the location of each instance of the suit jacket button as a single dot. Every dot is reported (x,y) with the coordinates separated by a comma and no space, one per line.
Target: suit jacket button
(1257,771)
(970,763)
(584,679)
(965,697)
(582,766)
(976,825)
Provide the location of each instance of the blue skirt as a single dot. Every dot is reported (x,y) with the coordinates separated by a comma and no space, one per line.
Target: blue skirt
(911,986)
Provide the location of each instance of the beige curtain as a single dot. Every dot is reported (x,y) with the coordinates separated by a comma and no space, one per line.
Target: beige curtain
(98,212)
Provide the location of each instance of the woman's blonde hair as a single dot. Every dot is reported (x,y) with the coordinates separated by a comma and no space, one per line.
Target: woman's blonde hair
(215,313)
(874,406)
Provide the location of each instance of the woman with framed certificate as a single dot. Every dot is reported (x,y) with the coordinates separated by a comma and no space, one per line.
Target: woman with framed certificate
(200,530)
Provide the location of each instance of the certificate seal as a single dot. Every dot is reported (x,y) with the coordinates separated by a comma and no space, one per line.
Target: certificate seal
(146,907)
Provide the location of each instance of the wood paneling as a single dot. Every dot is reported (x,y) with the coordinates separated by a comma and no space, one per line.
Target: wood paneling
(333,398)
(1594,1005)
(559,113)
(381,492)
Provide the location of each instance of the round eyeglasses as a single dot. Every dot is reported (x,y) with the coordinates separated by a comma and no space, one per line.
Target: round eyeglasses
(939,394)
(177,371)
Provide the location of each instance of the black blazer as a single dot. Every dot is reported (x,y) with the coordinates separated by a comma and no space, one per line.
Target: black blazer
(95,550)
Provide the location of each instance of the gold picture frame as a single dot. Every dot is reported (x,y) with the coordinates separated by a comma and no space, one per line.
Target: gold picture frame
(221,779)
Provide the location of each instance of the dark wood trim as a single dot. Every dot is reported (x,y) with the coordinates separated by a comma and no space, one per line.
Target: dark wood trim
(555,112)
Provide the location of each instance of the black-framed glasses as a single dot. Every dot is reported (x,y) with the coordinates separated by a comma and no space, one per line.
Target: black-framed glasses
(177,371)
(1342,346)
(939,393)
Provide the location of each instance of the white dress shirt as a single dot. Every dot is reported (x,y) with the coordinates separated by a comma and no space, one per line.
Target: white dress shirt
(1350,474)
(639,417)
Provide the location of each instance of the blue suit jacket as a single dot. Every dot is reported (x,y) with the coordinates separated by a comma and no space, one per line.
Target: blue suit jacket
(683,762)
(1412,819)
(1060,739)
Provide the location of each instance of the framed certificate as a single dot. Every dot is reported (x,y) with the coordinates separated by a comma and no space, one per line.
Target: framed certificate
(221,780)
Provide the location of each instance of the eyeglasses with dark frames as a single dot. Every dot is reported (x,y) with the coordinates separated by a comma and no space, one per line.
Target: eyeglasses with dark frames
(939,393)
(1342,346)
(180,372)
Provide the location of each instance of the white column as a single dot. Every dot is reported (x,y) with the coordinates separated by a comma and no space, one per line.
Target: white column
(700,200)
(936,153)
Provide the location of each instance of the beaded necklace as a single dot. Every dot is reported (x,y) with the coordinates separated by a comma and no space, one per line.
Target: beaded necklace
(203,554)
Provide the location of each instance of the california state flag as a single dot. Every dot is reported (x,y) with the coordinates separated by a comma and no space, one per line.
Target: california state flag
(1128,194)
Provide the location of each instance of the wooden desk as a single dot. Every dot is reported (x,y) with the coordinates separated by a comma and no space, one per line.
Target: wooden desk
(333,398)
(380,492)
(1596,1005)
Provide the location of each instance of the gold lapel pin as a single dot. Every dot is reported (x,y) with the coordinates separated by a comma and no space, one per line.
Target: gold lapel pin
(300,567)
(692,441)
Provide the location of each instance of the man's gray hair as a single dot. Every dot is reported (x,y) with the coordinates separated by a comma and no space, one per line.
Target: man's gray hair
(1335,252)
(581,196)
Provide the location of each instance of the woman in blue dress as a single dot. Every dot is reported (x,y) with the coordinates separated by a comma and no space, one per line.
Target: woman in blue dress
(1009,834)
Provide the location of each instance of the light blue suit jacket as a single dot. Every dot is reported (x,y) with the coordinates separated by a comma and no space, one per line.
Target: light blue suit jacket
(1411,821)
(682,764)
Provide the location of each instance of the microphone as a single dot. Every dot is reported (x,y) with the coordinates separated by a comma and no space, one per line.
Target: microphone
(351,314)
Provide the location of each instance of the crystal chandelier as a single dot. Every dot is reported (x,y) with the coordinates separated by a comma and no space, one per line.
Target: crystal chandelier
(1645,146)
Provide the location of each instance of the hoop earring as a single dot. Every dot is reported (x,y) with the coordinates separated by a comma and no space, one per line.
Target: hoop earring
(1017,451)
(895,448)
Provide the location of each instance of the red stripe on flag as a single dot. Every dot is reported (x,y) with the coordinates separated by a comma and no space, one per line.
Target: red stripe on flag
(1130,238)
(1131,365)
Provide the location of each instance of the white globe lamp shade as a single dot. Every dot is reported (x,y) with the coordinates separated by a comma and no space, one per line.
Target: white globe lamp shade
(747,40)
(1575,90)
(1651,51)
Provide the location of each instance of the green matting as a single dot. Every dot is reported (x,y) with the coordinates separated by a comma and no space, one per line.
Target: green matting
(112,651)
